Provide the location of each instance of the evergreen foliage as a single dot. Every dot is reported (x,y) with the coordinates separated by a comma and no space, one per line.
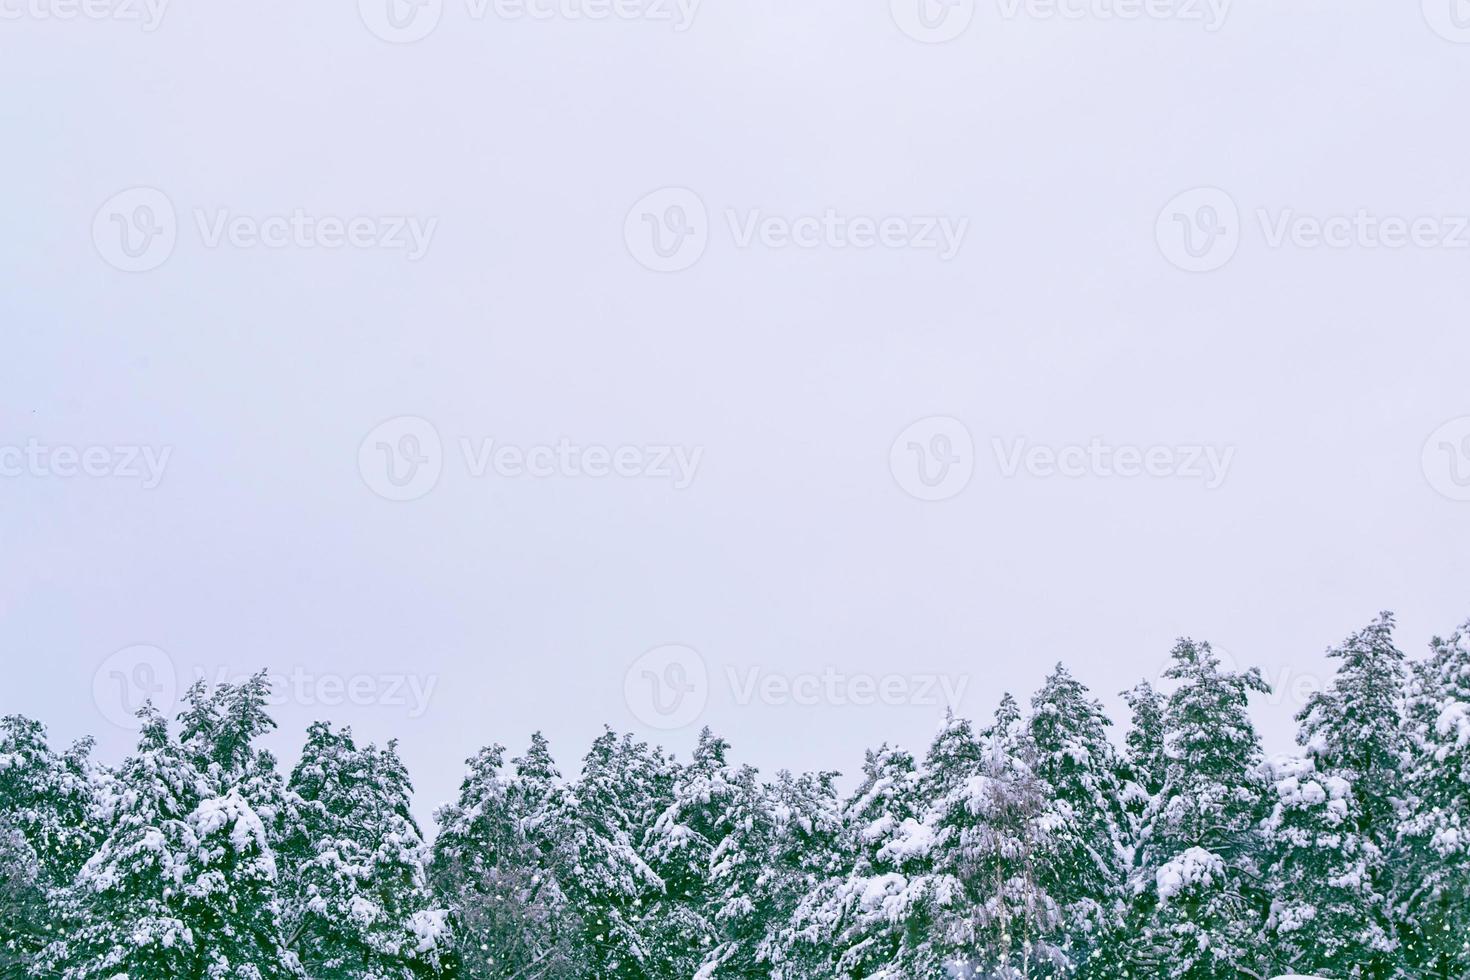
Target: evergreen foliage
(1040,846)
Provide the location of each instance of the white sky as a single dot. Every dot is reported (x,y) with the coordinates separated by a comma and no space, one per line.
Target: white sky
(792,371)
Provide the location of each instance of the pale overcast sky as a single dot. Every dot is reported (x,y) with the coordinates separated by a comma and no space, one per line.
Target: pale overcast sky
(911,365)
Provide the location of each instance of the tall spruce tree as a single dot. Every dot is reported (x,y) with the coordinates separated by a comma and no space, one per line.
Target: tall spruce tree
(497,866)
(1144,761)
(1336,816)
(739,904)
(681,847)
(184,883)
(998,844)
(357,895)
(806,828)
(1086,862)
(864,922)
(1326,916)
(1197,880)
(606,878)
(1433,853)
(50,813)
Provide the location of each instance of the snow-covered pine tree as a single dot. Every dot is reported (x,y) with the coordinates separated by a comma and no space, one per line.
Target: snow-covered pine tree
(1326,915)
(1197,895)
(739,906)
(1335,818)
(537,804)
(1086,861)
(219,728)
(954,756)
(994,839)
(496,866)
(681,847)
(357,899)
(1433,856)
(605,877)
(184,883)
(25,914)
(1143,763)
(1354,729)
(49,818)
(865,920)
(806,826)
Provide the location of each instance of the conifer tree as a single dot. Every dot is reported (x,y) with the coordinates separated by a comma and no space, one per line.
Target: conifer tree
(50,810)
(1433,855)
(1336,816)
(681,848)
(1197,879)
(497,865)
(184,882)
(998,844)
(1326,914)
(358,900)
(740,901)
(858,924)
(1142,767)
(606,879)
(806,827)
(1355,730)
(25,915)
(1086,860)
